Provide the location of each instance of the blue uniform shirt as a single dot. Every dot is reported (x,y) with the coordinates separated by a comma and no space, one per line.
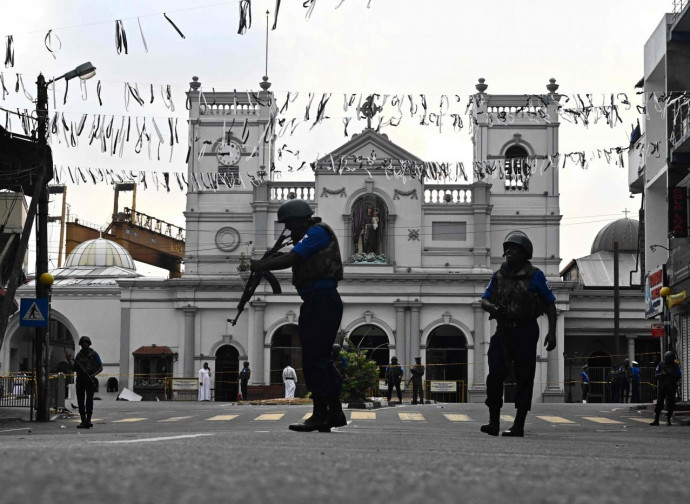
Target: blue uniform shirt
(316,239)
(584,377)
(538,284)
(636,374)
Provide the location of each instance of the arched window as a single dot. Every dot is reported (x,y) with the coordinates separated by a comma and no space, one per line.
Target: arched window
(285,349)
(369,230)
(517,169)
(374,342)
(446,354)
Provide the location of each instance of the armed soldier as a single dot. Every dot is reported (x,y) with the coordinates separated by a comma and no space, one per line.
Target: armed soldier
(516,297)
(667,374)
(417,381)
(394,374)
(316,270)
(87,364)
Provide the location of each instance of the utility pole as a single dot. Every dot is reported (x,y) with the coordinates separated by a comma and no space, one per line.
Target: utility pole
(616,304)
(41,335)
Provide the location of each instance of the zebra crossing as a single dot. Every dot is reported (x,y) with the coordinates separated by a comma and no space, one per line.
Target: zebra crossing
(408,417)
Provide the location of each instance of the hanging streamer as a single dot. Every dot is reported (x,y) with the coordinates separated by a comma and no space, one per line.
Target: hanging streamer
(275,15)
(143,39)
(48,41)
(245,16)
(309,5)
(9,51)
(174,25)
(120,37)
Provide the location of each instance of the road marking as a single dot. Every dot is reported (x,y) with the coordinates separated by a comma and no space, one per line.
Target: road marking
(411,417)
(641,420)
(457,417)
(507,418)
(220,418)
(10,430)
(601,420)
(270,416)
(129,420)
(362,415)
(306,416)
(176,418)
(151,440)
(555,419)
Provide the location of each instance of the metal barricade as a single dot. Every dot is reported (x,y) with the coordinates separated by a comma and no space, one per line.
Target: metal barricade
(16,390)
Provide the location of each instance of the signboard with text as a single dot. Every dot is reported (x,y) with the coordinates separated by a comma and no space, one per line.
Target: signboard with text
(678,212)
(658,330)
(443,386)
(653,302)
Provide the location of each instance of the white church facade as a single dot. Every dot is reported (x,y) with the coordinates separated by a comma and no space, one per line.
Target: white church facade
(418,255)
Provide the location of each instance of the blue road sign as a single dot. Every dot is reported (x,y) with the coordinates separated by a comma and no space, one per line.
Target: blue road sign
(33,312)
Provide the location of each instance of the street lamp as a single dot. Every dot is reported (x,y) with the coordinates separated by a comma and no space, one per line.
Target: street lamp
(41,341)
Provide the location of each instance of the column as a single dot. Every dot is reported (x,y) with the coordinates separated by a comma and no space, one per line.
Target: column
(399,331)
(631,348)
(406,358)
(553,392)
(476,391)
(414,330)
(189,337)
(125,353)
(258,336)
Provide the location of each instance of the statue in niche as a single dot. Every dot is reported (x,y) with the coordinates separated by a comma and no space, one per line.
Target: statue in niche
(368,230)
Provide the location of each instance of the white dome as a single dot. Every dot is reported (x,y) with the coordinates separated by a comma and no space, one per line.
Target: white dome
(100,252)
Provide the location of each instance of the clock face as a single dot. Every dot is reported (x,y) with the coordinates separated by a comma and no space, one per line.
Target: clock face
(229,154)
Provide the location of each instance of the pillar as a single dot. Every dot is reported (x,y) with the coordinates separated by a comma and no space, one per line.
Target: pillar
(125,353)
(399,331)
(189,338)
(631,348)
(414,330)
(258,337)
(477,387)
(553,392)
(405,361)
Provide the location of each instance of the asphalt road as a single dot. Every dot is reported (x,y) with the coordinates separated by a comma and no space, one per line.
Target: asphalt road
(193,452)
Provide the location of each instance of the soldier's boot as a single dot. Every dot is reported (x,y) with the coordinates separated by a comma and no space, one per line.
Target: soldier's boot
(336,417)
(668,419)
(656,419)
(421,398)
(84,423)
(88,420)
(494,425)
(518,427)
(317,421)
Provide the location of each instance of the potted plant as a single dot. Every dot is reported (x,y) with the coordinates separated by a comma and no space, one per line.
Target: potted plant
(359,373)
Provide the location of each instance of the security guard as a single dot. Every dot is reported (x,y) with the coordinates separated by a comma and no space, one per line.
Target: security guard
(86,364)
(668,374)
(417,381)
(516,297)
(245,375)
(316,270)
(394,374)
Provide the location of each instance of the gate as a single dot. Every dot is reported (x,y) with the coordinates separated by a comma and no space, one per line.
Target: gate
(16,390)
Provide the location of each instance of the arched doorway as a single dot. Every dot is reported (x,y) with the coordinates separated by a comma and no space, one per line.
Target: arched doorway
(285,349)
(374,342)
(446,360)
(369,230)
(227,369)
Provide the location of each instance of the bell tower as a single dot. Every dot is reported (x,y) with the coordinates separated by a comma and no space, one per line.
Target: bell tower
(516,150)
(231,148)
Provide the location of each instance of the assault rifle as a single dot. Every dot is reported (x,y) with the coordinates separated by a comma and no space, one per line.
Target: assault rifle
(256,277)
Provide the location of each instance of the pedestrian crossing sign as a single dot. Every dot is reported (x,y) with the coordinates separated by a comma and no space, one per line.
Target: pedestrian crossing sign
(33,312)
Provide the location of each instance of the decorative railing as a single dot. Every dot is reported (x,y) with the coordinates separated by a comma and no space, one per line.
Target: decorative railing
(281,191)
(678,6)
(448,195)
(231,109)
(680,116)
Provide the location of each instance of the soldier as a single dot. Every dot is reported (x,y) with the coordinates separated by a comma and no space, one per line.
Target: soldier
(394,374)
(668,374)
(417,381)
(316,270)
(87,364)
(517,295)
(245,374)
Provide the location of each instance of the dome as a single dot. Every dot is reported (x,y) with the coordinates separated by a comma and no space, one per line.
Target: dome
(99,252)
(624,231)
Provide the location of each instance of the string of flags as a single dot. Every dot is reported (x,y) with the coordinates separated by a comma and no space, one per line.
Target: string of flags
(53,43)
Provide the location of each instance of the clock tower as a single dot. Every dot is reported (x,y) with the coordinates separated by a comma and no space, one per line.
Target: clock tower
(231,148)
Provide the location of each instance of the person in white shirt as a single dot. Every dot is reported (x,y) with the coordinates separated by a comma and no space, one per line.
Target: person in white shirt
(205,383)
(290,380)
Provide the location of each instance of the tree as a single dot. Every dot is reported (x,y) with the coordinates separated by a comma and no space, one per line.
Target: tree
(359,373)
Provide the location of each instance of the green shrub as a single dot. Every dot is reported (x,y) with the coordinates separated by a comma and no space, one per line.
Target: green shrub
(360,375)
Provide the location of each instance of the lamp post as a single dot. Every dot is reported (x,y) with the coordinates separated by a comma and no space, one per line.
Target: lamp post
(41,341)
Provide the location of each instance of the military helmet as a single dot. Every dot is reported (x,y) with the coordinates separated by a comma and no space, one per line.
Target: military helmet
(519,238)
(294,209)
(84,339)
(418,359)
(669,357)
(394,360)
(246,364)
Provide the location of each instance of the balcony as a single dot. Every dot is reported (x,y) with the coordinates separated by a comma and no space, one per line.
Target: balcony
(680,132)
